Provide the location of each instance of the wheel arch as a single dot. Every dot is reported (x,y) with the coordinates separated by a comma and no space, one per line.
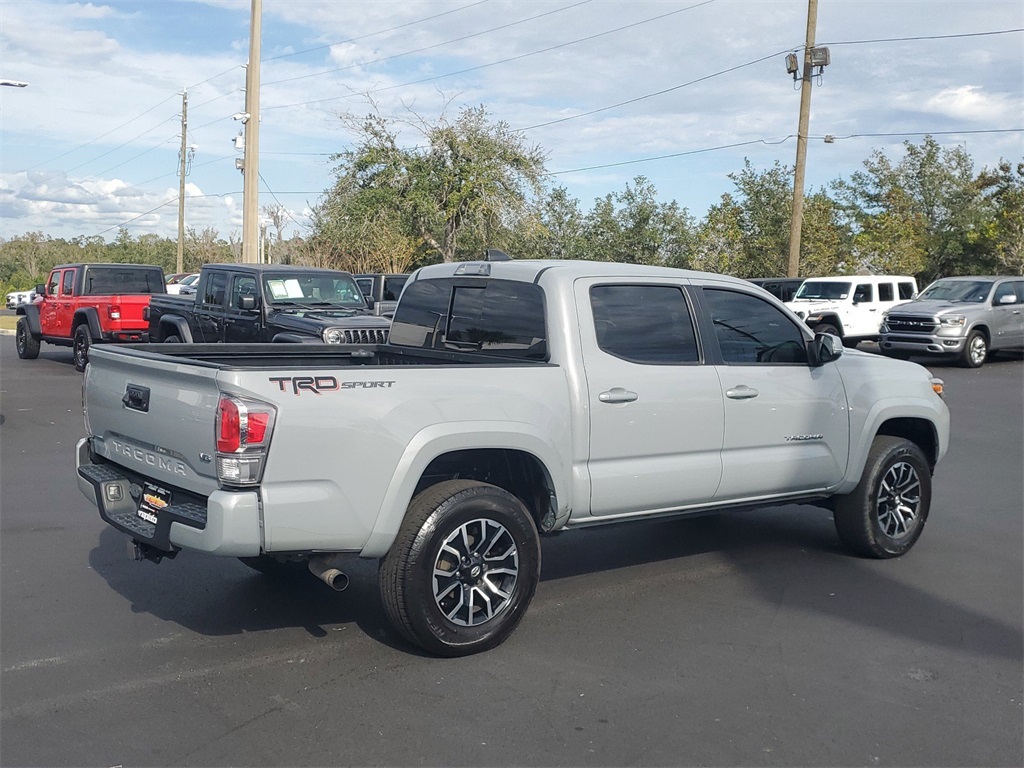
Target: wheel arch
(919,431)
(90,317)
(31,315)
(832,319)
(175,325)
(518,462)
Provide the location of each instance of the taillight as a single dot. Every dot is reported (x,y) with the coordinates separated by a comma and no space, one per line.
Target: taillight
(113,311)
(243,430)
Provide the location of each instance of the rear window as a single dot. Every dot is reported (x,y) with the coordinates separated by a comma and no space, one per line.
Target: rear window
(106,281)
(503,318)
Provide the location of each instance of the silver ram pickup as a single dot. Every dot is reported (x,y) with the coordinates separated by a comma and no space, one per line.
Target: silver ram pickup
(513,399)
(966,318)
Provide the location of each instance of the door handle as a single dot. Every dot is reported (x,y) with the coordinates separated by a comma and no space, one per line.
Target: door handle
(742,392)
(618,395)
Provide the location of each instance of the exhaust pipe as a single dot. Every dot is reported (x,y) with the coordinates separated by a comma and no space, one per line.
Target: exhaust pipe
(323,567)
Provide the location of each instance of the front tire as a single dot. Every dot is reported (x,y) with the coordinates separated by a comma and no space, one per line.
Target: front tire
(172,340)
(884,515)
(975,350)
(463,569)
(28,346)
(82,340)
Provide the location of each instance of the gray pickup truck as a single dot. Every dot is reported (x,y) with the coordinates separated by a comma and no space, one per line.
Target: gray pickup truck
(967,318)
(514,399)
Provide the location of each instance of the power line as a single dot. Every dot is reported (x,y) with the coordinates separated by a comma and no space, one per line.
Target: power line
(506,61)
(379,32)
(926,37)
(429,47)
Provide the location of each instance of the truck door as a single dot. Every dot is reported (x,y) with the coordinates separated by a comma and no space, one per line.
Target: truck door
(1008,315)
(242,325)
(209,308)
(863,317)
(786,424)
(48,309)
(656,411)
(64,305)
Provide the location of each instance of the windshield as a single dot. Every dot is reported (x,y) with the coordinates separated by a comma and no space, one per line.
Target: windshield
(972,291)
(823,290)
(313,290)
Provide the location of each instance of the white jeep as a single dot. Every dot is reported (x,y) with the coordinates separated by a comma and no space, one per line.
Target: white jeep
(850,307)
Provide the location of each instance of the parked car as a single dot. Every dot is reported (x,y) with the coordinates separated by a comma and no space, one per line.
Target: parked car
(850,306)
(185,285)
(86,304)
(966,317)
(381,291)
(513,400)
(267,302)
(14,298)
(782,288)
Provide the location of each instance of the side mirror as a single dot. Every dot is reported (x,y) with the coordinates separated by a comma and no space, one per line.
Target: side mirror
(248,302)
(40,290)
(824,349)
(370,301)
(1007,299)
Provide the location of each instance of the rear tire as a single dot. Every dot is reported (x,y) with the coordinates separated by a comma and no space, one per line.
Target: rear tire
(172,340)
(884,515)
(463,569)
(28,346)
(82,340)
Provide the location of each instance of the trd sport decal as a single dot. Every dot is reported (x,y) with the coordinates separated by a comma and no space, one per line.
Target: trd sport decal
(320,384)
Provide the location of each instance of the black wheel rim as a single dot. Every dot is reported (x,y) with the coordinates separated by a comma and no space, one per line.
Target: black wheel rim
(475,573)
(899,500)
(20,339)
(80,349)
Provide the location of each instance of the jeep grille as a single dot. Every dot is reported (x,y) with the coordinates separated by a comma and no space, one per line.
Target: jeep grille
(365,336)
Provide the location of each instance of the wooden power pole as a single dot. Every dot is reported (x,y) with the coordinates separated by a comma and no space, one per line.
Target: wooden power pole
(251,168)
(797,219)
(182,160)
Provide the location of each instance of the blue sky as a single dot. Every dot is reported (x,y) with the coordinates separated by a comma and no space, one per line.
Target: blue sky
(604,85)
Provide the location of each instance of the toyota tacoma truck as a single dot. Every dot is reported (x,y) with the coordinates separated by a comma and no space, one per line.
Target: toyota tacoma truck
(965,318)
(86,304)
(251,303)
(514,399)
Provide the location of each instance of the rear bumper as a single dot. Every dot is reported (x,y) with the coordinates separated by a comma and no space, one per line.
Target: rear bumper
(225,523)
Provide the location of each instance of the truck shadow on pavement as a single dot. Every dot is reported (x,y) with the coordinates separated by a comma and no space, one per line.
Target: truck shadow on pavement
(787,556)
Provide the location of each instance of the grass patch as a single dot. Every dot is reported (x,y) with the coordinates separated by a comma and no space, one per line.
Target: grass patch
(8,322)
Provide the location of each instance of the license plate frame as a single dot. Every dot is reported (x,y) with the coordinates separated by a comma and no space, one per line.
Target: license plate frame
(153,500)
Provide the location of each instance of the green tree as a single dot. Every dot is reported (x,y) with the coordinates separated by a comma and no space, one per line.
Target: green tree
(1006,230)
(468,181)
(924,215)
(765,200)
(633,227)
(718,242)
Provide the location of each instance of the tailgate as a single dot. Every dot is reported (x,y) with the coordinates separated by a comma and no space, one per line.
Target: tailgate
(153,415)
(132,307)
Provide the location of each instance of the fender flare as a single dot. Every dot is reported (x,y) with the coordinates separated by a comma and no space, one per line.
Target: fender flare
(440,439)
(828,317)
(31,314)
(90,317)
(180,325)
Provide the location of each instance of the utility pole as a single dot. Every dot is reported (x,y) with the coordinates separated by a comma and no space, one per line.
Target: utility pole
(797,220)
(251,169)
(181,182)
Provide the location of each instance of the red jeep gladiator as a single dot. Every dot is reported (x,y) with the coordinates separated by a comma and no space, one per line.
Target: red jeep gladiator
(85,304)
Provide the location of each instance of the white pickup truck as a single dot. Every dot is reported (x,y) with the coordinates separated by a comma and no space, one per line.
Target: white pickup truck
(513,399)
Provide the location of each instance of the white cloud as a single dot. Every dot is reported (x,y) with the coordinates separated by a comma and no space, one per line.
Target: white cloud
(970,102)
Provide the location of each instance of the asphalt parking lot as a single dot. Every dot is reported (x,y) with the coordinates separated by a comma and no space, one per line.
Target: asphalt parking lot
(744,639)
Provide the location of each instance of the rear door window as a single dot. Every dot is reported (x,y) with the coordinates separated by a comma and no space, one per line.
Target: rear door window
(646,324)
(492,317)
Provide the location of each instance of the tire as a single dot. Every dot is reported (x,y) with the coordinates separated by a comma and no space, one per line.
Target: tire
(172,340)
(274,568)
(884,515)
(828,328)
(473,531)
(850,343)
(975,350)
(28,347)
(82,340)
